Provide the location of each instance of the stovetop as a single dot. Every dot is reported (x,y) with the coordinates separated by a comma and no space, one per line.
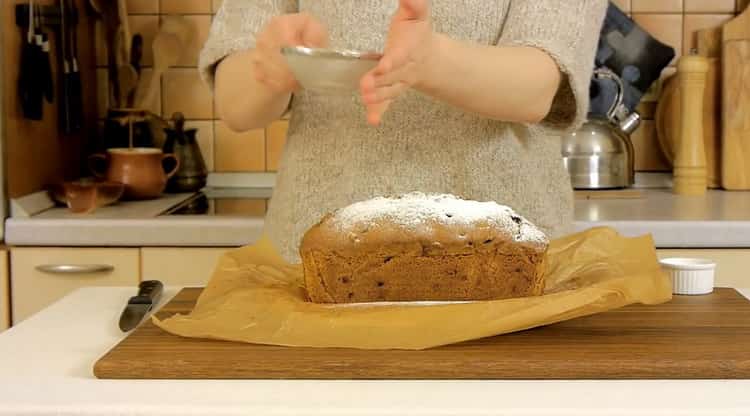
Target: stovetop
(223,202)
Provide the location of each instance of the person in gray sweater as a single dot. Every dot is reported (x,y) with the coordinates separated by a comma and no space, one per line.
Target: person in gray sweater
(470,98)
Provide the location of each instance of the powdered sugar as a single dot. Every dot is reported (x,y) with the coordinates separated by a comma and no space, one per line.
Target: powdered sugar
(417,209)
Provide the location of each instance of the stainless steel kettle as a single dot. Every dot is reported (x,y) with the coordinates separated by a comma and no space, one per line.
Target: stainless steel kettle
(600,154)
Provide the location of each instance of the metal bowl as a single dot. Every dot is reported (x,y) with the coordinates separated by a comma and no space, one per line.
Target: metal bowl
(329,70)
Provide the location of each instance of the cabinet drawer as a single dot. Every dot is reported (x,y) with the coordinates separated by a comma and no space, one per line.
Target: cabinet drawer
(4,296)
(180,266)
(40,276)
(732,265)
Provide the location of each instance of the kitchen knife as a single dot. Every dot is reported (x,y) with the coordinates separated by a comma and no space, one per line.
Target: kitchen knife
(149,292)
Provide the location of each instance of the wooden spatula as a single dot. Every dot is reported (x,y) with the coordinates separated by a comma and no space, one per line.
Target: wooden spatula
(167,49)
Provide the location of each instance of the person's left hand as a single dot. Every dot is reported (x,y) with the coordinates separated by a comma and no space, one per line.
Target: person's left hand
(407,47)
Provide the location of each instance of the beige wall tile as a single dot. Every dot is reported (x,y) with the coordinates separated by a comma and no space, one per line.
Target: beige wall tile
(648,155)
(275,141)
(665,27)
(742,5)
(624,5)
(143,6)
(205,137)
(709,6)
(696,22)
(239,152)
(216,5)
(241,207)
(655,6)
(184,91)
(185,6)
(201,24)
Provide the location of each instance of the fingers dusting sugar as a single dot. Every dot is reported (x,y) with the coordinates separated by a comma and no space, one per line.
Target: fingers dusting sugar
(416,209)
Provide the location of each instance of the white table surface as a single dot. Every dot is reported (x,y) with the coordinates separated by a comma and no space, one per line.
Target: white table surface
(46,362)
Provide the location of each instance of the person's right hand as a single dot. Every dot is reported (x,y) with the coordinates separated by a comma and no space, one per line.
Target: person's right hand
(299,29)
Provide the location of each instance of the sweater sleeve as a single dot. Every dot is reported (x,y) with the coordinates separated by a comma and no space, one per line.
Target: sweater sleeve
(234,29)
(568,31)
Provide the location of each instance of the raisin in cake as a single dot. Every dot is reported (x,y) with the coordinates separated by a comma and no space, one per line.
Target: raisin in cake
(423,247)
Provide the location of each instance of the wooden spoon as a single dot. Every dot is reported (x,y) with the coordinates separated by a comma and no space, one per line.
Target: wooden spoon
(128,82)
(111,20)
(127,76)
(178,26)
(122,10)
(167,49)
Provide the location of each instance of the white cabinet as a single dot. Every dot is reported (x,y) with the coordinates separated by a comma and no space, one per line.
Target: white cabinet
(4,295)
(40,276)
(180,266)
(732,265)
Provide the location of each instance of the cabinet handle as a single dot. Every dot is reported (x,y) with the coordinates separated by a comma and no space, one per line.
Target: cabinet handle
(74,268)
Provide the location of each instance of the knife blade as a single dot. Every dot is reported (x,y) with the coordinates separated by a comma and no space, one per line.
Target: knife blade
(149,292)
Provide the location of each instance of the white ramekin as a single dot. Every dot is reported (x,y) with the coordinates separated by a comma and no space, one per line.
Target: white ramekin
(690,276)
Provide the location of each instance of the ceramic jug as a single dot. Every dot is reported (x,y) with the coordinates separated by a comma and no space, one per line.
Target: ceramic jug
(143,170)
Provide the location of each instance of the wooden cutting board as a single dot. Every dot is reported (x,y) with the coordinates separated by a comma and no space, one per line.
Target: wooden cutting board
(668,116)
(736,103)
(701,337)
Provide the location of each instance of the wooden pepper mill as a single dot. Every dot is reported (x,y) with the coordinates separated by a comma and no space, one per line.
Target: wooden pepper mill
(690,177)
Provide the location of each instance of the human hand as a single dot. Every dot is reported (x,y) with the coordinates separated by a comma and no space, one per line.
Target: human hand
(299,29)
(410,39)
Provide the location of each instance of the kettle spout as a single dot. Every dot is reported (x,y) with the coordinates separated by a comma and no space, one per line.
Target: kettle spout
(630,123)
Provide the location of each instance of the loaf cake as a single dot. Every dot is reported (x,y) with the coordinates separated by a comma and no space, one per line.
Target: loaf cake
(422,247)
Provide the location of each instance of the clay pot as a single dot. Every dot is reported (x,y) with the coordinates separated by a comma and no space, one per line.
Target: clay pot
(141,169)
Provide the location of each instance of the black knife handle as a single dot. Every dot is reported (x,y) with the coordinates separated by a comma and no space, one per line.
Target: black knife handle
(149,291)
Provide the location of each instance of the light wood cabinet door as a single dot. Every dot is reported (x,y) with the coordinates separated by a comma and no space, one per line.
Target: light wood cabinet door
(4,295)
(40,276)
(732,265)
(182,267)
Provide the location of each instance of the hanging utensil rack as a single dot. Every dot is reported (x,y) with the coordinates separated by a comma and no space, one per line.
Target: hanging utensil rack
(49,14)
(51,17)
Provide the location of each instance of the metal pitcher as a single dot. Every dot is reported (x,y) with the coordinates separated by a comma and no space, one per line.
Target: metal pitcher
(192,174)
(600,154)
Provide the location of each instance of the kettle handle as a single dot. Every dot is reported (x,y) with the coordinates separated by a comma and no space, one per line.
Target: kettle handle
(609,74)
(176,164)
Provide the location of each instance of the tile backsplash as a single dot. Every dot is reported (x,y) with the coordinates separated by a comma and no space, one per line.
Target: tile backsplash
(181,89)
(672,21)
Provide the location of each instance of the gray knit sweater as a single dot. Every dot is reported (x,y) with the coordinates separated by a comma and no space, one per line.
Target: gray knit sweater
(333,158)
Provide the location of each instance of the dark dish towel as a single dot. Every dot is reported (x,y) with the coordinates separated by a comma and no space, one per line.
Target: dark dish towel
(633,54)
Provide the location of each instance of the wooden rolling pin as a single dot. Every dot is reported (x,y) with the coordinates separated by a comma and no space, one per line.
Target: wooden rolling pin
(690,177)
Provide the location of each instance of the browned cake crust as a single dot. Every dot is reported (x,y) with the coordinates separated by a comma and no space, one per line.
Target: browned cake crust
(422,247)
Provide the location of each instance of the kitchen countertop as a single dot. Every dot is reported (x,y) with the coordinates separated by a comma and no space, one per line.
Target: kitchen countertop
(46,362)
(720,219)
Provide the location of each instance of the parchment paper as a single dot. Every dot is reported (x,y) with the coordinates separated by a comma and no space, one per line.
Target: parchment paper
(255,297)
